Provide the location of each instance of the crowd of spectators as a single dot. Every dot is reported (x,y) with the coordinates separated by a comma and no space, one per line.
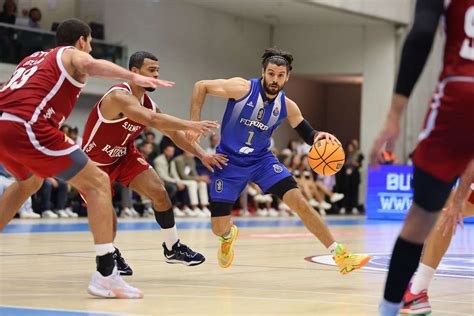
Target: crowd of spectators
(187,183)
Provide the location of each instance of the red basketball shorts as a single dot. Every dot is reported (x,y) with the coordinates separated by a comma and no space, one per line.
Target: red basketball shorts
(446,143)
(39,149)
(127,167)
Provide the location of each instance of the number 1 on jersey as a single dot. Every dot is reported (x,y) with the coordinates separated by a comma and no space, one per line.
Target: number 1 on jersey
(249,140)
(126,138)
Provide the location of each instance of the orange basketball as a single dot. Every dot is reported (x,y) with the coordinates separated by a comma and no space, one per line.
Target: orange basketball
(326,158)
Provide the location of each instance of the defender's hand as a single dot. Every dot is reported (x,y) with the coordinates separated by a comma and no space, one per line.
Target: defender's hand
(215,160)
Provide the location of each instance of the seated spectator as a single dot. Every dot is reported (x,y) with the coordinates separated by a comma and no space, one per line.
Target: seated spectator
(30,18)
(127,209)
(262,202)
(34,17)
(150,138)
(8,14)
(213,142)
(26,210)
(166,169)
(48,203)
(166,141)
(74,135)
(146,149)
(196,184)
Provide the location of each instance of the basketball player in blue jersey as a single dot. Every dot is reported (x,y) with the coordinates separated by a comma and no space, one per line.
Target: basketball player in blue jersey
(254,110)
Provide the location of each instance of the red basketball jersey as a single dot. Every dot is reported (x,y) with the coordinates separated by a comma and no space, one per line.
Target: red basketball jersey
(105,141)
(40,89)
(459,46)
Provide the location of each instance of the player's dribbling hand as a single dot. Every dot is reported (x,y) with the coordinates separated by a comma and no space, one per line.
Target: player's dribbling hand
(450,216)
(329,137)
(218,160)
(387,136)
(151,82)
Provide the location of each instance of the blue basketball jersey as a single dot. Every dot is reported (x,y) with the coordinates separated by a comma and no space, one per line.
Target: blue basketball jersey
(249,122)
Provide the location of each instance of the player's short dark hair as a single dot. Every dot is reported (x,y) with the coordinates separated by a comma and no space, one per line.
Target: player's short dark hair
(138,58)
(70,31)
(278,57)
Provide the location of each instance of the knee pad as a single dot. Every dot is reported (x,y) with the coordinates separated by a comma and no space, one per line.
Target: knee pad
(220,208)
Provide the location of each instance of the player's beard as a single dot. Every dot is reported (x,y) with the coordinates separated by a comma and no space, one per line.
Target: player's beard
(150,89)
(271,90)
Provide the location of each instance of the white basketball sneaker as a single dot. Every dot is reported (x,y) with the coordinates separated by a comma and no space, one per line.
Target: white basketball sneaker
(112,286)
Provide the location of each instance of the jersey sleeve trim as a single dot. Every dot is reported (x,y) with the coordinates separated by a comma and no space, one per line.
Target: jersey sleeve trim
(64,71)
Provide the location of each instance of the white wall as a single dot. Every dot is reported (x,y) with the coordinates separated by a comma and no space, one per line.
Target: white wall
(394,10)
(323,49)
(191,43)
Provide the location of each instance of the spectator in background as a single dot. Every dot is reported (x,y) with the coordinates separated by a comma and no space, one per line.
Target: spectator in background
(45,194)
(8,14)
(74,135)
(196,184)
(26,210)
(66,129)
(350,176)
(165,142)
(213,142)
(293,146)
(154,151)
(146,149)
(30,18)
(34,16)
(166,169)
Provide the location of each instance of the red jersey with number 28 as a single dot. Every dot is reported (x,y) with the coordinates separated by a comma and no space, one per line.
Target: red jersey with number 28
(41,90)
(105,141)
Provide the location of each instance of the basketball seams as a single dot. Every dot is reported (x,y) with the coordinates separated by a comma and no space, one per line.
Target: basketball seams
(324,159)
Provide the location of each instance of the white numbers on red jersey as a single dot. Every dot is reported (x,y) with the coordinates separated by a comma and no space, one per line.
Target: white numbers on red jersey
(126,138)
(467,49)
(19,78)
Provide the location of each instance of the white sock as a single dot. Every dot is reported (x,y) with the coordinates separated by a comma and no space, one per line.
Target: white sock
(171,236)
(103,249)
(332,248)
(422,278)
(387,308)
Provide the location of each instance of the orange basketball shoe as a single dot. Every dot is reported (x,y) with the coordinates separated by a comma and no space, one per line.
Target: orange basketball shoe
(347,261)
(225,253)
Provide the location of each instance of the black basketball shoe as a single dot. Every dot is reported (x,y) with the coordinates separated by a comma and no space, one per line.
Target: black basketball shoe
(123,267)
(180,253)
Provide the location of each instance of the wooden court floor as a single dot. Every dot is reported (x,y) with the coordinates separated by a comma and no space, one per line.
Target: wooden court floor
(45,266)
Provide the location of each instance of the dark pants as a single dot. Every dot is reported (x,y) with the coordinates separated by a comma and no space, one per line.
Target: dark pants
(351,181)
(178,198)
(48,201)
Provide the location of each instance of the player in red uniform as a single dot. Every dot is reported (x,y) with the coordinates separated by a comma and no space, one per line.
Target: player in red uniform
(111,129)
(446,144)
(459,205)
(39,96)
